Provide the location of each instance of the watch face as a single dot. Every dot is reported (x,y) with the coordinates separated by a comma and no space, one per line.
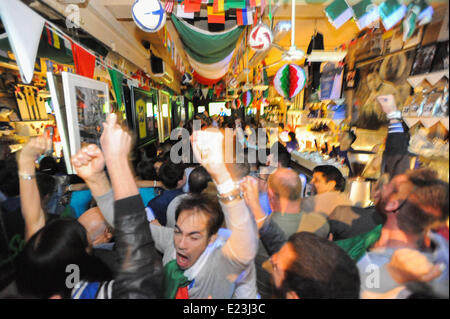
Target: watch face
(149,15)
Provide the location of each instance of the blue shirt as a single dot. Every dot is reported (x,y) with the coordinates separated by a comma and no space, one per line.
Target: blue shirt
(264,202)
(160,203)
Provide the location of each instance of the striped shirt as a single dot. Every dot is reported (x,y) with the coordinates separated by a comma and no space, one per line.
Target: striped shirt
(93,290)
(396,128)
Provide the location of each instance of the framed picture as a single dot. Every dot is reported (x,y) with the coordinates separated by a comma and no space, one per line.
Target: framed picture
(424,59)
(415,39)
(57,97)
(143,114)
(164,115)
(87,104)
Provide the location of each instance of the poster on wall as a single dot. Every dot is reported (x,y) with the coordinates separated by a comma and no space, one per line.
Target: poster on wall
(331,82)
(382,77)
(143,114)
(87,104)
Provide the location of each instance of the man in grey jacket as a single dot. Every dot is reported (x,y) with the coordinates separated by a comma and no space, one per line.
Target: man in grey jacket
(197,263)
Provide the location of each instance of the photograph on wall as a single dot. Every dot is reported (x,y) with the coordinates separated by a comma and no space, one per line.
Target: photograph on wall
(87,104)
(164,109)
(331,81)
(424,59)
(382,77)
(371,46)
(441,58)
(415,39)
(142,109)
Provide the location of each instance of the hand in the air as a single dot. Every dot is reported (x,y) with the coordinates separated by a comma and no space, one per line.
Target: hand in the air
(115,141)
(88,162)
(35,147)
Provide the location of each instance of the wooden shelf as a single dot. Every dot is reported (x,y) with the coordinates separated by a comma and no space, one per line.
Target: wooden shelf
(426,121)
(432,77)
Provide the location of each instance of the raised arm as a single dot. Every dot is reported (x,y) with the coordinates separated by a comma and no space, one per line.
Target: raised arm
(242,245)
(89,164)
(30,199)
(141,272)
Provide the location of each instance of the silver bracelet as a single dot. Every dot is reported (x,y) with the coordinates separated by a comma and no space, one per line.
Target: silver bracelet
(26,176)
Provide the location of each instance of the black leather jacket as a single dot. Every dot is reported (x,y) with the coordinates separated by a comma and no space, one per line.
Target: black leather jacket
(141,272)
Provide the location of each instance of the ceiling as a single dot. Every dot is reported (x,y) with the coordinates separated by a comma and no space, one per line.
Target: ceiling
(110,22)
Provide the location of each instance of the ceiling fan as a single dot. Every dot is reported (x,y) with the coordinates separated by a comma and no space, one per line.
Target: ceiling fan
(293,53)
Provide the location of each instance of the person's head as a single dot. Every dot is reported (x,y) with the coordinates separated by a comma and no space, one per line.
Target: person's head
(346,139)
(284,189)
(48,165)
(145,170)
(278,156)
(172,175)
(98,230)
(51,254)
(198,219)
(198,180)
(417,200)
(238,170)
(311,267)
(280,127)
(327,178)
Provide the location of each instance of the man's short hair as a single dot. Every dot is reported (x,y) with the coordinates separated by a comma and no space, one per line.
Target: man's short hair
(331,173)
(198,180)
(285,183)
(428,203)
(201,203)
(170,173)
(321,270)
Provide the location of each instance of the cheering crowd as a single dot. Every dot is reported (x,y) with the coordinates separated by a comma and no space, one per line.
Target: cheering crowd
(208,227)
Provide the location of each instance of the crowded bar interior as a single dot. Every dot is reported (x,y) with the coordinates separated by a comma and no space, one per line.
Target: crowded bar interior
(224,149)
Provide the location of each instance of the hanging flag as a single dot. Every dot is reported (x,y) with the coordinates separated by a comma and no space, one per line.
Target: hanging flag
(219,6)
(49,36)
(83,60)
(391,12)
(23,37)
(252,3)
(244,16)
(56,42)
(426,12)
(192,5)
(338,12)
(235,4)
(215,17)
(169,6)
(182,14)
(365,13)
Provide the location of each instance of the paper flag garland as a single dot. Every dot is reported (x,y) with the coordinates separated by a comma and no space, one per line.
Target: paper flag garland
(260,37)
(289,80)
(23,37)
(246,98)
(149,15)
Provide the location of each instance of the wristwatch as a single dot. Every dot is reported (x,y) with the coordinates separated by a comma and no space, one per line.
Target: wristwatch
(228,198)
